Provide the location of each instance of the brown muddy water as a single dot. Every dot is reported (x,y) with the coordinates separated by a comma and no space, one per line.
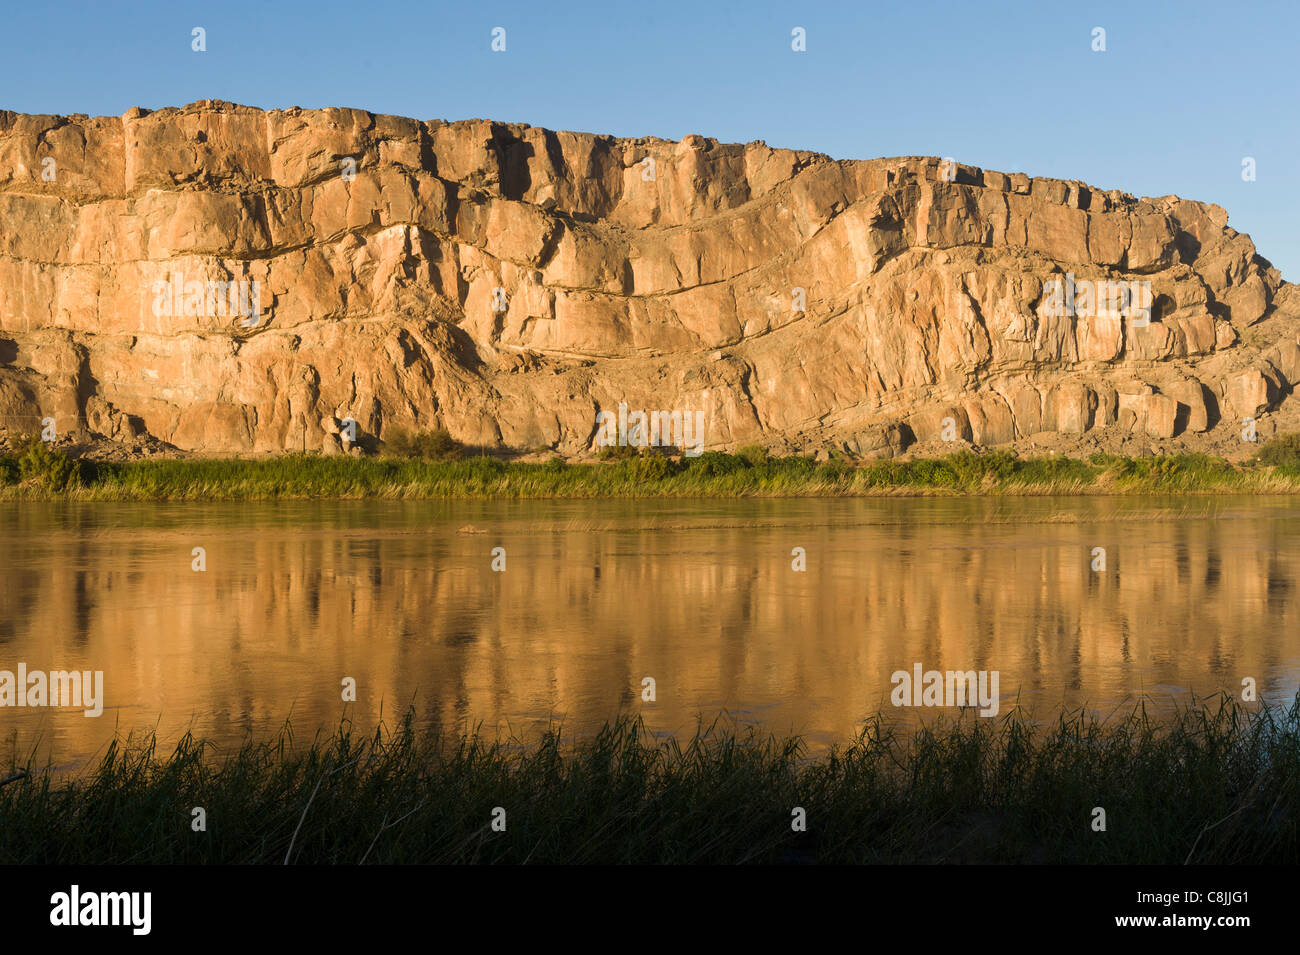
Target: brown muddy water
(702,596)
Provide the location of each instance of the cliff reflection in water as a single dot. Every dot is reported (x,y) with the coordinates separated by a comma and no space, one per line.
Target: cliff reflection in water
(701,596)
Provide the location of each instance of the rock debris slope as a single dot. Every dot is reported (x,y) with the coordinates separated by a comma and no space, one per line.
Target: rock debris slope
(509,282)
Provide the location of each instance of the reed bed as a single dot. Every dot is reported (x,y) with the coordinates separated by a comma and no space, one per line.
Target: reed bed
(1215,782)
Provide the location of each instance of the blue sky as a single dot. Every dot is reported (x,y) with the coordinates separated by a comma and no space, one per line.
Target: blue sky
(1183,92)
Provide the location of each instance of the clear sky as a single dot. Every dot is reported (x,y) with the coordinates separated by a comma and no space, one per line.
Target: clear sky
(1182,94)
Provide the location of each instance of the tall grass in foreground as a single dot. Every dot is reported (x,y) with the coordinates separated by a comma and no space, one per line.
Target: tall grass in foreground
(1214,783)
(712,474)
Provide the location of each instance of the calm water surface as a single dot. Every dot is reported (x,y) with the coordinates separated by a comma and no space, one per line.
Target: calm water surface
(595,596)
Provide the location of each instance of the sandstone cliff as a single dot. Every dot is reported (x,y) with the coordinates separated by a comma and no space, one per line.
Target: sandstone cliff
(509,282)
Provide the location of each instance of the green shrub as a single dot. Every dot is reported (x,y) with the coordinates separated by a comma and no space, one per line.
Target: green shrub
(399,442)
(435,445)
(649,466)
(930,472)
(617,452)
(752,454)
(967,467)
(1001,463)
(712,464)
(796,465)
(48,467)
(1282,451)
(486,467)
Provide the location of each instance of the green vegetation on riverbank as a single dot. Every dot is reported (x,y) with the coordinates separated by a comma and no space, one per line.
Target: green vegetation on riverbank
(51,476)
(1214,783)
(434,466)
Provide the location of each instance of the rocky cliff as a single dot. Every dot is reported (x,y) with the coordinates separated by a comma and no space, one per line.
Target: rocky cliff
(226,279)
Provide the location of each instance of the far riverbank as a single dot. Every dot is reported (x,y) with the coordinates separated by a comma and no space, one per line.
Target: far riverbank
(42,473)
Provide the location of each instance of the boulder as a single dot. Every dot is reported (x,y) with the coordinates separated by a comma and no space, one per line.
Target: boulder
(1249,393)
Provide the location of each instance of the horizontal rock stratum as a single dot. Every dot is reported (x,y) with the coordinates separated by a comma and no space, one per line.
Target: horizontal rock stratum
(509,283)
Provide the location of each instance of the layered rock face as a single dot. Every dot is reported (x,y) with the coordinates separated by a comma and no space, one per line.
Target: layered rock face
(226,279)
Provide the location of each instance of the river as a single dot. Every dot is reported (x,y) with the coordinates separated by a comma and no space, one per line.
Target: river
(588,599)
